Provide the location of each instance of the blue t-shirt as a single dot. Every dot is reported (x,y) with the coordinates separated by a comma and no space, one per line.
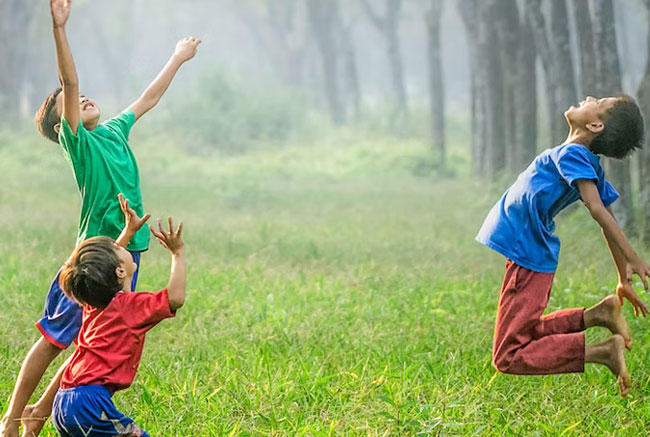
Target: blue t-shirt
(520,225)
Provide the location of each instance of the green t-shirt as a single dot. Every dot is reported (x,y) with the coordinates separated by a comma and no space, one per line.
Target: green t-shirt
(104,166)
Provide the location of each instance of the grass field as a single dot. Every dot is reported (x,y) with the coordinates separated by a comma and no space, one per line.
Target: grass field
(334,289)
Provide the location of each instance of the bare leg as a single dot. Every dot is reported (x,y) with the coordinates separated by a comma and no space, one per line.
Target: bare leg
(607,313)
(35,416)
(36,362)
(611,353)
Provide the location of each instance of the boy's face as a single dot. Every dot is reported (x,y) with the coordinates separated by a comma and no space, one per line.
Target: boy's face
(588,114)
(88,110)
(127,266)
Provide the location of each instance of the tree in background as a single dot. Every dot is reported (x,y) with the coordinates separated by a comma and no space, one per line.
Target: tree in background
(323,19)
(468,10)
(609,83)
(588,83)
(525,97)
(351,85)
(555,55)
(643,94)
(388,26)
(562,67)
(15,19)
(436,90)
(508,31)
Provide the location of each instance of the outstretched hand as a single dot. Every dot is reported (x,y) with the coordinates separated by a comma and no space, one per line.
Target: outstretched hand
(639,267)
(625,290)
(132,222)
(170,240)
(60,10)
(186,48)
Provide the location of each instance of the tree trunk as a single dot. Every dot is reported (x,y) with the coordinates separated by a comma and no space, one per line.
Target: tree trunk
(322,20)
(15,17)
(585,33)
(436,90)
(609,83)
(563,79)
(508,31)
(525,98)
(643,95)
(542,46)
(388,26)
(468,10)
(352,88)
(494,93)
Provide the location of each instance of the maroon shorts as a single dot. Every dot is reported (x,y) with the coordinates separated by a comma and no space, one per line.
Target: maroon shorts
(525,341)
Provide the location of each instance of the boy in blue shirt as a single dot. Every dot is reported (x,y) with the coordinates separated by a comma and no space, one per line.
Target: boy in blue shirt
(520,226)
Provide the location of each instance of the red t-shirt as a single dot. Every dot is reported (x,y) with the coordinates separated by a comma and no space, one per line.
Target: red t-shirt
(110,341)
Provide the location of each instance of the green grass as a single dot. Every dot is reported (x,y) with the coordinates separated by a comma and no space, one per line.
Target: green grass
(334,289)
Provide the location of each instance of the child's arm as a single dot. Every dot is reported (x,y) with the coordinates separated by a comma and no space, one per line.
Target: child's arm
(132,223)
(60,10)
(622,253)
(624,289)
(172,241)
(185,50)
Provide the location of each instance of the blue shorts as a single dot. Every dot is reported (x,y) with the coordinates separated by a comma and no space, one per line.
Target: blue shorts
(88,411)
(61,320)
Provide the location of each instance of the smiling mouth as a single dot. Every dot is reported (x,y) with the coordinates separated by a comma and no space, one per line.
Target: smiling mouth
(87,106)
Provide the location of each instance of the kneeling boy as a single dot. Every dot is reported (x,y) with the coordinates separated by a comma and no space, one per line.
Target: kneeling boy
(520,226)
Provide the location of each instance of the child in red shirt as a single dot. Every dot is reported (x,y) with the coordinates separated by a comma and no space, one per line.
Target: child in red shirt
(114,323)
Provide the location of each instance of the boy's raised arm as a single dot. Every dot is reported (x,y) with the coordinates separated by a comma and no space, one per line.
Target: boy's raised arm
(60,10)
(624,256)
(185,50)
(172,241)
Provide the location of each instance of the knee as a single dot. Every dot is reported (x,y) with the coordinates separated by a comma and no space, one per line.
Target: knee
(503,357)
(501,363)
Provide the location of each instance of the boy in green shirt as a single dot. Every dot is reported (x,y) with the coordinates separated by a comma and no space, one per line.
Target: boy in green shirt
(103,165)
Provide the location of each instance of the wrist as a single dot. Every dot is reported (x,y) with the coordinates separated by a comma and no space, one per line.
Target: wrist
(177,59)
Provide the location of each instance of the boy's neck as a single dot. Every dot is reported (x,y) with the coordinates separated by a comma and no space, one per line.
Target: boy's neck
(126,283)
(579,136)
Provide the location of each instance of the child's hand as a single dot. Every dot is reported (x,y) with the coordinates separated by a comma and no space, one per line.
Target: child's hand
(639,267)
(186,48)
(170,240)
(60,10)
(133,223)
(625,290)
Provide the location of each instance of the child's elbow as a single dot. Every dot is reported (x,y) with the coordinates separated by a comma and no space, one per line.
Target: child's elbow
(176,302)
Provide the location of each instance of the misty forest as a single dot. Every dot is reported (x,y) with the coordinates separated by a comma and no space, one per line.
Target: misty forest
(332,161)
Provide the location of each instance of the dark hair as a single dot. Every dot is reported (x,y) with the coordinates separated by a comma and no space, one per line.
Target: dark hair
(89,275)
(623,131)
(46,117)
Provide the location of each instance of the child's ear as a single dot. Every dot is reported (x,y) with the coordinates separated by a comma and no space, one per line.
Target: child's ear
(596,127)
(57,128)
(120,272)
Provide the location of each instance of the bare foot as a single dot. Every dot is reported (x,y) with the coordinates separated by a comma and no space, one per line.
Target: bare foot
(611,353)
(33,420)
(607,313)
(9,428)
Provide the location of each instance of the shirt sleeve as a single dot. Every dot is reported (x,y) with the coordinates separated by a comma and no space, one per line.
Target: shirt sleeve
(573,163)
(146,310)
(608,193)
(69,141)
(121,123)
